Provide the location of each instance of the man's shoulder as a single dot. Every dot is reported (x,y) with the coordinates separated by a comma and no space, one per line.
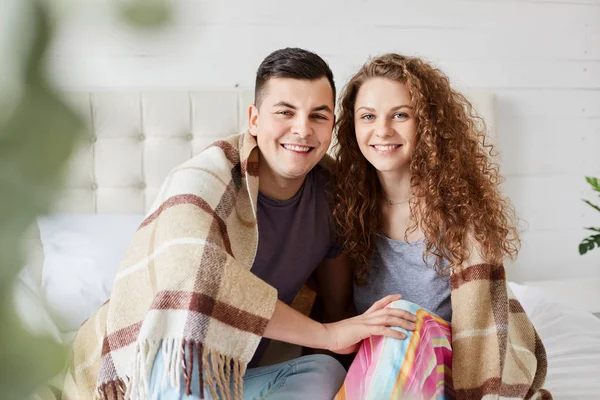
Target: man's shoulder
(230,146)
(322,183)
(326,163)
(322,173)
(219,161)
(226,149)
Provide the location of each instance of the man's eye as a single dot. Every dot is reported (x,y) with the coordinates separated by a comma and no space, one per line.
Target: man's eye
(319,116)
(284,112)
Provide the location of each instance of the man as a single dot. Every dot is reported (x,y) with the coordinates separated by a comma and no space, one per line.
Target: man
(234,234)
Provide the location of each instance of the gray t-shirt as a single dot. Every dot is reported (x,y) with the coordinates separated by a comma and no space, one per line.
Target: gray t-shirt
(398,267)
(294,236)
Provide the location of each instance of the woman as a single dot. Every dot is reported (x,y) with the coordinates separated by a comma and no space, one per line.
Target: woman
(418,206)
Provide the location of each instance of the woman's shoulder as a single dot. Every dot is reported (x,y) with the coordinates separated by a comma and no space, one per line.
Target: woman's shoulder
(473,253)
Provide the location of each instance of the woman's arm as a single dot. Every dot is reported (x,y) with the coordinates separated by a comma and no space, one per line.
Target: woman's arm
(493,341)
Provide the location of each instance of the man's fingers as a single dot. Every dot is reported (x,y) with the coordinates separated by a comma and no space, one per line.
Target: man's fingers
(379,304)
(393,312)
(390,320)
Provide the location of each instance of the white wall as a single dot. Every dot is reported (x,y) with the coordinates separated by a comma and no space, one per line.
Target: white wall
(540,58)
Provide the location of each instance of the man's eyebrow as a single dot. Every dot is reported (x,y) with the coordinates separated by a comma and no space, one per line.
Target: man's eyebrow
(323,107)
(284,104)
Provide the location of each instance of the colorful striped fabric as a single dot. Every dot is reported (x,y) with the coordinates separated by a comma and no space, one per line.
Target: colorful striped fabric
(418,367)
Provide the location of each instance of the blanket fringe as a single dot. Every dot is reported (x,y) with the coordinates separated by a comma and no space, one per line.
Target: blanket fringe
(221,375)
(114,390)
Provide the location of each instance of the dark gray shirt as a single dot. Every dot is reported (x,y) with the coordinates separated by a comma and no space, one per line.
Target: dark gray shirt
(294,236)
(398,267)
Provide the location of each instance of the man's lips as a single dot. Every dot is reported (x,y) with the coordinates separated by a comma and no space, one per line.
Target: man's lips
(298,148)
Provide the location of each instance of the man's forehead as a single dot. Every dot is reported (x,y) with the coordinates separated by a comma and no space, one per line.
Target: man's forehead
(304,92)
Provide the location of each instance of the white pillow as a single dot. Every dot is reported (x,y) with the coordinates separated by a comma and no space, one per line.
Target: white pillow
(30,307)
(82,253)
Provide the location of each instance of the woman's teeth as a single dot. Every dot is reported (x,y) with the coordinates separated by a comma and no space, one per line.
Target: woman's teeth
(386,147)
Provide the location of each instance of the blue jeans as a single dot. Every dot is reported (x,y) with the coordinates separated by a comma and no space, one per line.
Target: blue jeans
(314,377)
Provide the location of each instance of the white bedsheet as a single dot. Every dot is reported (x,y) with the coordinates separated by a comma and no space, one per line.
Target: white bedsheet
(571,336)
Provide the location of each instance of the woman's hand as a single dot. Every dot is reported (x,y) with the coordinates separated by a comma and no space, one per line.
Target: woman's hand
(345,336)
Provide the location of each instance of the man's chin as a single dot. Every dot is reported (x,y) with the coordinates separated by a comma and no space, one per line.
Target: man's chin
(294,176)
(296,173)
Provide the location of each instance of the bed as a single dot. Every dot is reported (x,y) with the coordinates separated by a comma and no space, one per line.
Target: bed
(134,139)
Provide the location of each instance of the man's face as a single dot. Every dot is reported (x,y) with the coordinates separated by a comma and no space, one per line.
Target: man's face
(293,125)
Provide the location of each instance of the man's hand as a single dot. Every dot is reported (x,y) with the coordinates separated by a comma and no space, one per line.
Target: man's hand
(345,336)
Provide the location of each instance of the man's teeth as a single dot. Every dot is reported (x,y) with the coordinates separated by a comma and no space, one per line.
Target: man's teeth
(385,148)
(296,148)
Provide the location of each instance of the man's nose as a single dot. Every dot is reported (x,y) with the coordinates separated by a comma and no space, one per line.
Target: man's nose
(302,127)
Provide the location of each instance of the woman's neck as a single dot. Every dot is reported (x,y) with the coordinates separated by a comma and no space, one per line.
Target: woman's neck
(395,210)
(395,185)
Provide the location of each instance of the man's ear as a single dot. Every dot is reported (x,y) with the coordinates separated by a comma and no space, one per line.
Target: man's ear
(253,120)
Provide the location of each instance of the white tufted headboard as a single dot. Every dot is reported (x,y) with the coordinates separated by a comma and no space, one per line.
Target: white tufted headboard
(136,138)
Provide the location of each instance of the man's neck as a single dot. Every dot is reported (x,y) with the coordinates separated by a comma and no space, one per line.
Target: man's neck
(276,187)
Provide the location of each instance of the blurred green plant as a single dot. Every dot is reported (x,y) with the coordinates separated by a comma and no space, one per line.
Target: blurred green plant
(146,14)
(38,134)
(36,140)
(592,241)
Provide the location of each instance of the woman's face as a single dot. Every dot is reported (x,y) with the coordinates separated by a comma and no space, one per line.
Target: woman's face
(385,126)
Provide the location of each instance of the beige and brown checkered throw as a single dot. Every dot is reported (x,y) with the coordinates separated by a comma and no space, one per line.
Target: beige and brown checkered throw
(184,284)
(496,352)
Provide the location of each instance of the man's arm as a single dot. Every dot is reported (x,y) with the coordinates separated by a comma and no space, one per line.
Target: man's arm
(288,325)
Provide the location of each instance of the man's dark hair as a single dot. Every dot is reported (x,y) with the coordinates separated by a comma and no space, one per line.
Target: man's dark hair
(294,63)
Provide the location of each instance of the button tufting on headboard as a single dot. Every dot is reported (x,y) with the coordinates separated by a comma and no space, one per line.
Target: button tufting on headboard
(135,139)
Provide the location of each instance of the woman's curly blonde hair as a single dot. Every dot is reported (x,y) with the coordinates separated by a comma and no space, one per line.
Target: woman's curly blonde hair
(453,177)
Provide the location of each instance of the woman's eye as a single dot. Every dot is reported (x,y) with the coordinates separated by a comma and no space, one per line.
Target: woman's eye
(368,117)
(401,115)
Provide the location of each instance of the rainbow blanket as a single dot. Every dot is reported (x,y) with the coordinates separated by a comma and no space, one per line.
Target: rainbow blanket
(418,367)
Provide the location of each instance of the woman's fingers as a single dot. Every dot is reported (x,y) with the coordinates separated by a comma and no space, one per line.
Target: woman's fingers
(389,332)
(379,304)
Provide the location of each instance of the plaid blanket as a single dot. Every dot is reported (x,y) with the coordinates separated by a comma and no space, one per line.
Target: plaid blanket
(184,283)
(496,352)
(417,367)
